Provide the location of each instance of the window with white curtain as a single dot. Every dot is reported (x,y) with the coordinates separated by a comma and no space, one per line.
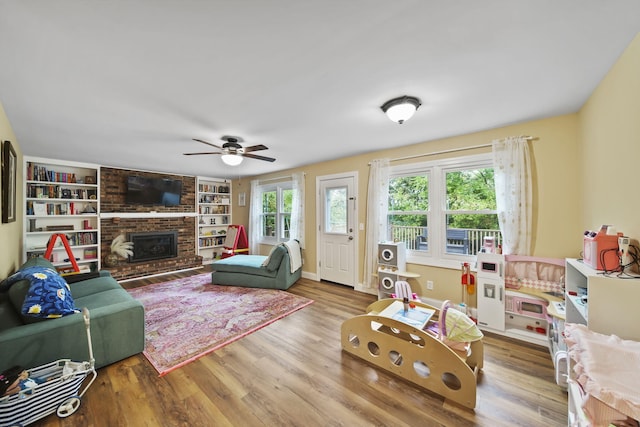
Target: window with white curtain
(275,212)
(443,210)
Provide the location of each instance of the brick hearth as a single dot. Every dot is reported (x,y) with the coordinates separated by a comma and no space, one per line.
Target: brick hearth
(112,201)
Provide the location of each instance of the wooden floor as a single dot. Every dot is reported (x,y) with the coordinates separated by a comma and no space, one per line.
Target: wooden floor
(293,373)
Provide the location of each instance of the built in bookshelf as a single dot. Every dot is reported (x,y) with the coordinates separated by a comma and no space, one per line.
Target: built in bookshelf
(62,198)
(214,216)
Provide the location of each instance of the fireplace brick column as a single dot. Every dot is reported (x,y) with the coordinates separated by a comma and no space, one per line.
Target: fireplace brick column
(113,201)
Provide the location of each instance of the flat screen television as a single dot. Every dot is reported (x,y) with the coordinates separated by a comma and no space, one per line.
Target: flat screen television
(153,191)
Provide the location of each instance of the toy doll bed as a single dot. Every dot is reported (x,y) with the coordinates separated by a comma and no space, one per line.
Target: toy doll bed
(444,356)
(605,378)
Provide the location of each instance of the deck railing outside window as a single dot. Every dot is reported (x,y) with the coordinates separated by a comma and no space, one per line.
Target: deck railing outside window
(466,241)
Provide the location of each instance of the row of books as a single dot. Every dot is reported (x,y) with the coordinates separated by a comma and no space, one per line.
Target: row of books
(210,198)
(58,192)
(220,209)
(211,241)
(68,208)
(82,238)
(209,188)
(41,173)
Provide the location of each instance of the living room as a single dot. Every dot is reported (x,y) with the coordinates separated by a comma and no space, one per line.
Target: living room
(582,169)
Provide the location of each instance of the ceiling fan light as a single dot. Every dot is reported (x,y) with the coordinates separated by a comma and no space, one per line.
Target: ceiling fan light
(401,109)
(231,159)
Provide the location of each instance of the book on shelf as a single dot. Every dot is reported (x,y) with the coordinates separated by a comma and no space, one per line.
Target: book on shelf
(39,208)
(90,253)
(59,227)
(414,316)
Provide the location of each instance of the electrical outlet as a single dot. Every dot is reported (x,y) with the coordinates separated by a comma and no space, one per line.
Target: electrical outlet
(430,285)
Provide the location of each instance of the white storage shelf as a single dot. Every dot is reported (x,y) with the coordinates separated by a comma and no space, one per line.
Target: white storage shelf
(62,197)
(605,304)
(609,305)
(214,216)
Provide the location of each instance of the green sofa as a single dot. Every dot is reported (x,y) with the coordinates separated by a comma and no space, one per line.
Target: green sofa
(257,271)
(117,325)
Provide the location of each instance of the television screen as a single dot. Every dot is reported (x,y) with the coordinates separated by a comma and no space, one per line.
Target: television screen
(153,191)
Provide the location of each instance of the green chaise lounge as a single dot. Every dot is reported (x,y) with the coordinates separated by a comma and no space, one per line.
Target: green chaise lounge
(258,271)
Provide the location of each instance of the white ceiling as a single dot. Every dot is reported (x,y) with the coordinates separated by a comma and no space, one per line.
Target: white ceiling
(129,83)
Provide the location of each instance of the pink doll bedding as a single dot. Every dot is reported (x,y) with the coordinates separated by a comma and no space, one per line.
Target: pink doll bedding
(608,370)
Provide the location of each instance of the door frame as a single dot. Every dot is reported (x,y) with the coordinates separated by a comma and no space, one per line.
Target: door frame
(356,228)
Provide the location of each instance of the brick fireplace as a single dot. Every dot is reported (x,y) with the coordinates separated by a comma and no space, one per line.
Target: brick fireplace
(153,245)
(118,217)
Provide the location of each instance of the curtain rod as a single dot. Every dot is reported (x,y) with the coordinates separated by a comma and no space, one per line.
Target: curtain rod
(278,178)
(453,150)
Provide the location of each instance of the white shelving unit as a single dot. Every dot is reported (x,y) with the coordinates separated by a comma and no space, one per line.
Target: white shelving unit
(62,197)
(610,304)
(214,216)
(605,304)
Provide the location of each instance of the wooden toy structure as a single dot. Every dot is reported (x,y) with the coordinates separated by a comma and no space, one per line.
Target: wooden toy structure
(236,242)
(421,356)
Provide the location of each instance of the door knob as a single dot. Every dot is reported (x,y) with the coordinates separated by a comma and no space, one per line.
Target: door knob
(350,237)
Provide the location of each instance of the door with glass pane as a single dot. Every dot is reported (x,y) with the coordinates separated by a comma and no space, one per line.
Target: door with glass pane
(337,242)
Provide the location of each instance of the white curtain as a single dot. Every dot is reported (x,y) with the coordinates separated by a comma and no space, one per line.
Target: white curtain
(297,210)
(377,208)
(255,209)
(512,174)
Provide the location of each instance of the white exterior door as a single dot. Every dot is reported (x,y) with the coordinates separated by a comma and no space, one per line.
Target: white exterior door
(337,235)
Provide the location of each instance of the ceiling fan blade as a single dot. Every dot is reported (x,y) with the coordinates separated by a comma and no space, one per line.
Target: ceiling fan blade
(198,154)
(255,156)
(208,143)
(255,148)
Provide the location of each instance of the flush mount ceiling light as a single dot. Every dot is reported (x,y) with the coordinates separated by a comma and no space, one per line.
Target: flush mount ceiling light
(231,159)
(401,109)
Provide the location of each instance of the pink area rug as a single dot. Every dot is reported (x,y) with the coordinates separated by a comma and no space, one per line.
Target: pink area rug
(188,318)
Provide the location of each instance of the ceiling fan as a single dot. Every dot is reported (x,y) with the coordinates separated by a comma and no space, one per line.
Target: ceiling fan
(232,152)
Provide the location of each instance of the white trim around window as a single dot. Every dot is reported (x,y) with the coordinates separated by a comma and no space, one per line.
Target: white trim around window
(436,216)
(278,187)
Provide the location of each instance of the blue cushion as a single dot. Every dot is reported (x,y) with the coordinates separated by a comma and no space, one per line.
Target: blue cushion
(48,296)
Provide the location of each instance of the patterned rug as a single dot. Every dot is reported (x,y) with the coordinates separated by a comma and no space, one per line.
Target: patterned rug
(188,318)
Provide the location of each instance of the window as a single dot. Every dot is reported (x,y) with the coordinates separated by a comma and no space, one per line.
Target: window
(275,215)
(443,210)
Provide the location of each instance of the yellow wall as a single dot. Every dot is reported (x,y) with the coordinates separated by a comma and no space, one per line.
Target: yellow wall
(610,134)
(556,207)
(11,233)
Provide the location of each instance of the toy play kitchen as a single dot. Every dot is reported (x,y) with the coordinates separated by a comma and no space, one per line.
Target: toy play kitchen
(514,293)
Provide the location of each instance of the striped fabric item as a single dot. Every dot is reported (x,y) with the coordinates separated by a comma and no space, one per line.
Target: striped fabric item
(27,406)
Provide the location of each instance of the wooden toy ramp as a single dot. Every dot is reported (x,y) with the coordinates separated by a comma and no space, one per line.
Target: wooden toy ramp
(236,241)
(417,355)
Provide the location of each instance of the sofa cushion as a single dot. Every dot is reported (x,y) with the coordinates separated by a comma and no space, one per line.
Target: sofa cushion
(248,264)
(268,258)
(37,261)
(47,294)
(9,318)
(92,286)
(273,261)
(17,294)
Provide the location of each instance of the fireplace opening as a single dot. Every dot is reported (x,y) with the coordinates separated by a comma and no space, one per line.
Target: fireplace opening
(153,245)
